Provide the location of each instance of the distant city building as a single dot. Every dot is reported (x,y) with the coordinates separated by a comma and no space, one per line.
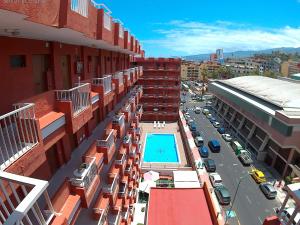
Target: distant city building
(210,67)
(290,67)
(213,57)
(220,56)
(190,71)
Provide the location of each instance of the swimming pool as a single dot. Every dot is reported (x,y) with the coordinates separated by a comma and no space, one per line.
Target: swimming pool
(160,148)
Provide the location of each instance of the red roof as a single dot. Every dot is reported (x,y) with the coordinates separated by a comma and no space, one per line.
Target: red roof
(176,206)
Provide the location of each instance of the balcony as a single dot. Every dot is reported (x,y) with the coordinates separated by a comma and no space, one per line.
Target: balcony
(107,145)
(85,174)
(110,188)
(114,219)
(127,40)
(105,28)
(128,168)
(132,151)
(103,86)
(127,140)
(103,215)
(118,123)
(27,194)
(18,133)
(75,103)
(121,160)
(118,80)
(127,78)
(125,214)
(123,190)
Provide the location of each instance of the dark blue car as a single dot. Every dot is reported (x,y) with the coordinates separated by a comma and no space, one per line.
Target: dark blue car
(203,152)
(214,145)
(221,130)
(193,126)
(213,119)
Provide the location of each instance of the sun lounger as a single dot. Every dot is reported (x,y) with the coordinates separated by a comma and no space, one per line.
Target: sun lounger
(163,124)
(154,124)
(158,125)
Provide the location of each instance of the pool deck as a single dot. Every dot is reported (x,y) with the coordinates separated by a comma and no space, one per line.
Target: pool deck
(170,128)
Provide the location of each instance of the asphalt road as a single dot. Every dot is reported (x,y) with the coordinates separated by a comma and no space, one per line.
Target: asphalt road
(250,206)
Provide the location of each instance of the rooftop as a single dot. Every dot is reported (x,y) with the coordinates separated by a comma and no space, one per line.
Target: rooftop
(178,207)
(268,89)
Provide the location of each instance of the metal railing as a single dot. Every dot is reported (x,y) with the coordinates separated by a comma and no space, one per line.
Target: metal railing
(108,142)
(18,133)
(80,6)
(122,160)
(119,119)
(119,76)
(109,188)
(132,151)
(128,168)
(127,108)
(87,175)
(20,201)
(126,214)
(103,81)
(139,109)
(103,216)
(79,96)
(126,72)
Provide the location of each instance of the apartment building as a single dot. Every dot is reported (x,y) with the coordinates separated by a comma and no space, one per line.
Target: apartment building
(190,71)
(290,67)
(161,88)
(69,134)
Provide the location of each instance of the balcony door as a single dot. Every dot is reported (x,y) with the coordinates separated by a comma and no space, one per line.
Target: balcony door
(40,64)
(65,71)
(51,155)
(95,62)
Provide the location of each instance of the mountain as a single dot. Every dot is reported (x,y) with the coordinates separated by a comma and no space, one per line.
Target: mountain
(242,54)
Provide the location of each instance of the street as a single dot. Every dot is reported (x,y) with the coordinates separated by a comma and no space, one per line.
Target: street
(250,206)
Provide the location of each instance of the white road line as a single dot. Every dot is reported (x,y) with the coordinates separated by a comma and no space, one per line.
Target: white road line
(260,220)
(248,199)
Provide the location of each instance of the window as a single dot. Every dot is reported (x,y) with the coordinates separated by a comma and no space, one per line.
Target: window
(17,61)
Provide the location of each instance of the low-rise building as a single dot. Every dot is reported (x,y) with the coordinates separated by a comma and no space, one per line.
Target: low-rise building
(190,71)
(290,67)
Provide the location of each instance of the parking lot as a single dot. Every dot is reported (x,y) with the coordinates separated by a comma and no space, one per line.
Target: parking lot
(250,206)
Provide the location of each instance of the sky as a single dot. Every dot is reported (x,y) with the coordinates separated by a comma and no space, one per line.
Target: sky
(179,28)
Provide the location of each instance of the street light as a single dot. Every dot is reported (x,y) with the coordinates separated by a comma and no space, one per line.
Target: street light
(237,188)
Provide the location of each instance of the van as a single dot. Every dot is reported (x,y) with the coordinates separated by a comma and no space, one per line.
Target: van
(214,146)
(197,110)
(237,147)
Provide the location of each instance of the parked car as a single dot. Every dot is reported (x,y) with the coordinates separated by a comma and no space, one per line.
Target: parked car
(214,145)
(199,141)
(212,120)
(190,121)
(223,195)
(210,165)
(203,151)
(215,179)
(193,126)
(268,190)
(221,130)
(216,124)
(258,176)
(208,116)
(205,111)
(245,158)
(227,137)
(196,133)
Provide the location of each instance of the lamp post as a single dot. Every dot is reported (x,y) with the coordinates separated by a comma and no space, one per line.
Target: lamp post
(237,188)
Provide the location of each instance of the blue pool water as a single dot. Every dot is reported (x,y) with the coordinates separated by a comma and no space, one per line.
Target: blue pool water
(161,148)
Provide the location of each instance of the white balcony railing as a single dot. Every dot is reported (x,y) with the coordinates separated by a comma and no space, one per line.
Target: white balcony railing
(18,133)
(86,174)
(79,96)
(109,188)
(121,31)
(80,6)
(103,81)
(121,161)
(119,76)
(27,200)
(127,108)
(128,168)
(108,142)
(126,214)
(119,119)
(123,190)
(126,72)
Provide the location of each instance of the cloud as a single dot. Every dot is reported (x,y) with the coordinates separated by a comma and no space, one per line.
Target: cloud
(181,37)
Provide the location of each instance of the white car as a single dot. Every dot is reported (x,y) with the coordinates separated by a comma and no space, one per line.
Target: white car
(227,137)
(216,124)
(215,179)
(208,116)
